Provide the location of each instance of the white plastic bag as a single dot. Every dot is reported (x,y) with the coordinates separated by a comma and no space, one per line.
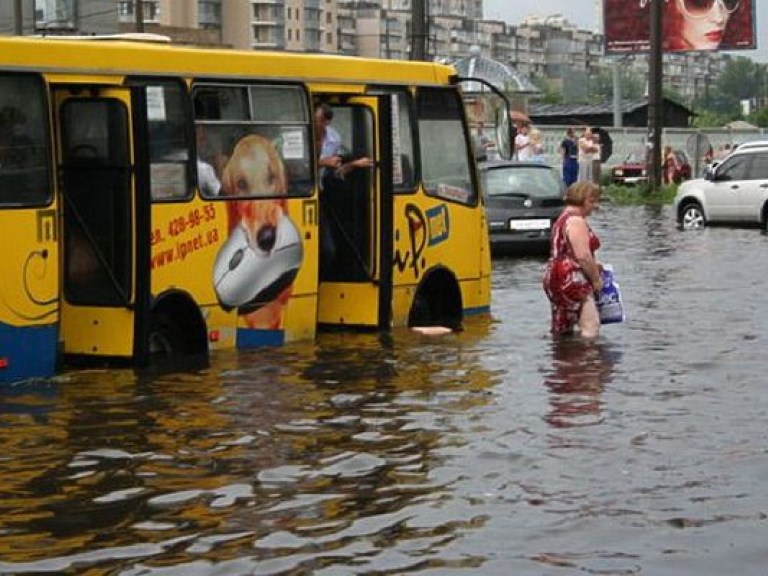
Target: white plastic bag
(608,300)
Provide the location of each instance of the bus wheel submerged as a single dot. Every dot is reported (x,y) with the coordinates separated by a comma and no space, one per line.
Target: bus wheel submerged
(437,302)
(166,339)
(176,328)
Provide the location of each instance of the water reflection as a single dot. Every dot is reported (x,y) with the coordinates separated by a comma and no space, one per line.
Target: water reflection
(328,449)
(580,370)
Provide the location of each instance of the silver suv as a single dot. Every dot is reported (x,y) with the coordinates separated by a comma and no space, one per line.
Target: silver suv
(733,192)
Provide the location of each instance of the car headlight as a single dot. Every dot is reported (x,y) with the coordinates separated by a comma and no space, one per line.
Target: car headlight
(618,172)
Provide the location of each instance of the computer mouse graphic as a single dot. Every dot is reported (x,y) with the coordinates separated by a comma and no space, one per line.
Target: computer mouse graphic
(247,276)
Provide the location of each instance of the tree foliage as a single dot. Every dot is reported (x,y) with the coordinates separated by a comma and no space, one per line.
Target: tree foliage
(741,79)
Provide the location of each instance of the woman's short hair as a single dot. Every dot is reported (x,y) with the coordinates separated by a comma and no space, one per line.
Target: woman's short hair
(578,193)
(325,110)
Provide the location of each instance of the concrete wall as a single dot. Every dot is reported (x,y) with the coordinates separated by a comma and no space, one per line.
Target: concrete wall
(627,140)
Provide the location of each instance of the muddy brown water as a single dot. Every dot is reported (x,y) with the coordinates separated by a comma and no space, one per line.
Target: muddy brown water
(493,451)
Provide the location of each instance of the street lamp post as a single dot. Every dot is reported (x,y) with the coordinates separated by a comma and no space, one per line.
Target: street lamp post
(17,18)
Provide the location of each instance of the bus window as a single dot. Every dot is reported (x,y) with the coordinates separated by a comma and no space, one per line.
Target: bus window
(403,176)
(24,178)
(446,168)
(169,143)
(255,139)
(97,210)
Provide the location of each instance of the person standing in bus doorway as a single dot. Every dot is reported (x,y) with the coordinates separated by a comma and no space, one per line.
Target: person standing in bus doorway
(569,152)
(331,158)
(332,170)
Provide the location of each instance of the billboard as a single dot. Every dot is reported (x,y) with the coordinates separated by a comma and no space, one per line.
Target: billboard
(687,25)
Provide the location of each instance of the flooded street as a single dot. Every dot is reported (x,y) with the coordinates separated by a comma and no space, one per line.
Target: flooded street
(492,451)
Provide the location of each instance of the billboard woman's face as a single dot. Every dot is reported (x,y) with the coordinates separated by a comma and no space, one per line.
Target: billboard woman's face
(704,21)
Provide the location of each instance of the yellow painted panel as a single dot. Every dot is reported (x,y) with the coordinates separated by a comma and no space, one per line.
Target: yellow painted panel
(100,332)
(30,275)
(299,320)
(350,304)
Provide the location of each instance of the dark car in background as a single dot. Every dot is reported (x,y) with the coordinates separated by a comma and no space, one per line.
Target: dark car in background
(633,169)
(522,201)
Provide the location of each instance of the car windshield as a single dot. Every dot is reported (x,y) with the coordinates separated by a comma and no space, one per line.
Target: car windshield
(634,158)
(540,181)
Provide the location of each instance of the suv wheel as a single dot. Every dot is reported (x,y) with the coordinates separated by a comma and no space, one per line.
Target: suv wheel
(692,217)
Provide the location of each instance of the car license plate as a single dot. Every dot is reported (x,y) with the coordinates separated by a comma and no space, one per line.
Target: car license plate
(540,224)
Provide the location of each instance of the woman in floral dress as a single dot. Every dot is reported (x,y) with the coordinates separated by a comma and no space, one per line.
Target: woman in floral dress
(572,274)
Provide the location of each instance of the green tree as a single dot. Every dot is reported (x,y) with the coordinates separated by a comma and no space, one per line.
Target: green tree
(760,117)
(741,79)
(601,85)
(550,94)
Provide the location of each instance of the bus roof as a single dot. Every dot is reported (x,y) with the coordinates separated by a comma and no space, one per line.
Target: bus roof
(121,56)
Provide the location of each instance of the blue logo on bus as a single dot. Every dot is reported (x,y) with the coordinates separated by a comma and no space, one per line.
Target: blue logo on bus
(438,224)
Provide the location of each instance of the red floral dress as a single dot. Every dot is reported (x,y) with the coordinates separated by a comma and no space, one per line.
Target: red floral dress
(564,282)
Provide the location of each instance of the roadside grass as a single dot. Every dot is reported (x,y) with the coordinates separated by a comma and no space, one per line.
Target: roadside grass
(640,195)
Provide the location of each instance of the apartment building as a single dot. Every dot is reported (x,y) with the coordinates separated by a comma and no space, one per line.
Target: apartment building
(547,47)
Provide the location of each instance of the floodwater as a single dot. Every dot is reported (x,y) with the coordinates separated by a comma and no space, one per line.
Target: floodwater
(492,451)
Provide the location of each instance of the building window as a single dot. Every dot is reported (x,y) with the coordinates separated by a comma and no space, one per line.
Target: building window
(209,12)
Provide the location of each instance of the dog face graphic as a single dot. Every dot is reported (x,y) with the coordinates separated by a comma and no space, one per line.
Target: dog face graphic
(254,169)
(255,268)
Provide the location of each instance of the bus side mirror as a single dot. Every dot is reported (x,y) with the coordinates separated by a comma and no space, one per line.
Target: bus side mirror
(505,133)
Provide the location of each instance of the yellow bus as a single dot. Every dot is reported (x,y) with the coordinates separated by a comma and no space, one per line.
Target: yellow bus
(158,200)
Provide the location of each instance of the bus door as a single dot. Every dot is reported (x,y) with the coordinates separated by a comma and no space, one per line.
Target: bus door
(97,177)
(355,286)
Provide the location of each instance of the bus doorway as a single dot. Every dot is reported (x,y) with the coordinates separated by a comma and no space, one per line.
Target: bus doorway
(355,285)
(98,187)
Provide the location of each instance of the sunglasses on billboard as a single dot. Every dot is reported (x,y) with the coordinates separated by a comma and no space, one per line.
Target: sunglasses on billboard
(699,8)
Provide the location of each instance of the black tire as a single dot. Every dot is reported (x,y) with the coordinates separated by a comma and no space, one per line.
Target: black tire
(692,216)
(166,339)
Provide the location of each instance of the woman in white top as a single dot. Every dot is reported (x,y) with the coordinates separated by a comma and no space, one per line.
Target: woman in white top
(523,148)
(586,151)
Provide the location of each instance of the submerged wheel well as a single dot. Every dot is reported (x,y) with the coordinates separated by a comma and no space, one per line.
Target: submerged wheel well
(177,309)
(437,301)
(684,203)
(764,216)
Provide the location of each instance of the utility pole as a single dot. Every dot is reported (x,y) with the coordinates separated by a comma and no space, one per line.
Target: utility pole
(419,29)
(616,76)
(18,18)
(655,99)
(139,6)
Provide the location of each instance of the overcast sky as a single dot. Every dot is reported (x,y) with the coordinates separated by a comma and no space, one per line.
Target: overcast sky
(584,14)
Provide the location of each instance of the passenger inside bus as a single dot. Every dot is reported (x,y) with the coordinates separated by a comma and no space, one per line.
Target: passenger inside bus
(206,174)
(16,146)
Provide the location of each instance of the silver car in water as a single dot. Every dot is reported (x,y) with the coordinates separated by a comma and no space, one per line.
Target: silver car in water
(735,191)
